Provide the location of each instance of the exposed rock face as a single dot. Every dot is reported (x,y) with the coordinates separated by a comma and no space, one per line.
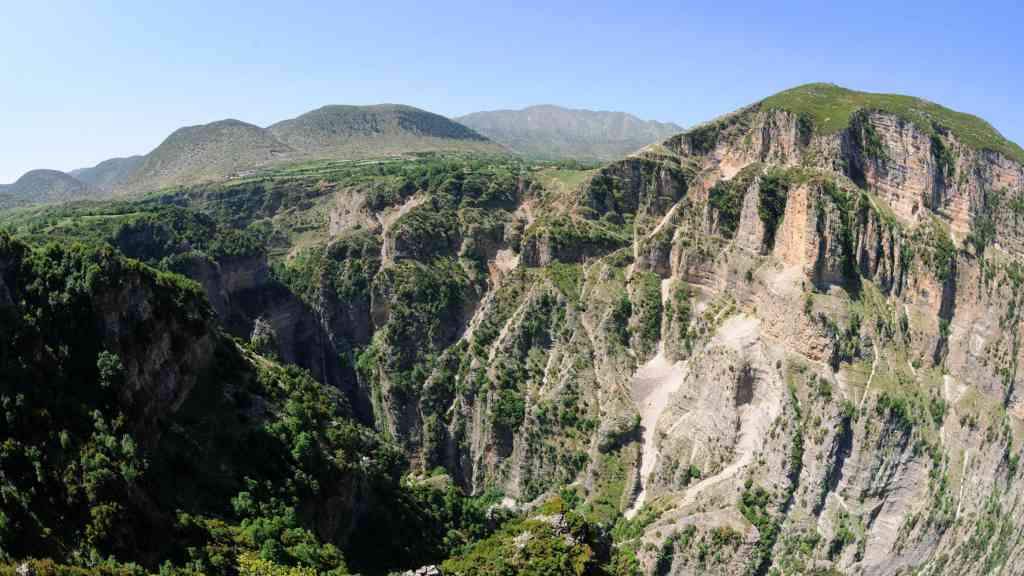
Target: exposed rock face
(913,171)
(836,315)
(254,306)
(884,480)
(160,354)
(424,571)
(161,333)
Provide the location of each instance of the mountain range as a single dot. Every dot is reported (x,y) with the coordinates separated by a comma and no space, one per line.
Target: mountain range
(224,148)
(46,187)
(784,341)
(109,174)
(553,132)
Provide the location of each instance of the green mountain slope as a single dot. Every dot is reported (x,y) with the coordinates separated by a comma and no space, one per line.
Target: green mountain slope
(46,187)
(109,174)
(207,152)
(228,148)
(831,108)
(339,131)
(555,132)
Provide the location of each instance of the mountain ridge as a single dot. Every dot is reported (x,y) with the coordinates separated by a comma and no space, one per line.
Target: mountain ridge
(194,154)
(557,132)
(831,106)
(109,173)
(330,131)
(46,186)
(219,149)
(333,125)
(205,152)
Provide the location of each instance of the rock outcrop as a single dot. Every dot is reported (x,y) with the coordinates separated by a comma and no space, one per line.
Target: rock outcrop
(835,310)
(158,330)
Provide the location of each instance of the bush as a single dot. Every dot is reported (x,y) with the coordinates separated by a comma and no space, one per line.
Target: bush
(726,199)
(772,205)
(509,409)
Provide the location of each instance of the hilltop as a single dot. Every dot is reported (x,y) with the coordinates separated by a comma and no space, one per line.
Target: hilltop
(554,132)
(45,187)
(831,108)
(225,148)
(345,130)
(109,174)
(207,152)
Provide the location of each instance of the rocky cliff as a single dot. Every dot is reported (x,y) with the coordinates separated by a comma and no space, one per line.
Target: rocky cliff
(159,326)
(136,431)
(774,344)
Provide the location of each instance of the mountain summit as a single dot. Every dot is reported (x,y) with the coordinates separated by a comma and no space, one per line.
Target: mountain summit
(45,187)
(555,132)
(338,127)
(830,108)
(221,149)
(207,152)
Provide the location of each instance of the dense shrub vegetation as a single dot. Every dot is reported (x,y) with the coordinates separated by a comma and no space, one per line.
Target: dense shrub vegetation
(259,469)
(239,475)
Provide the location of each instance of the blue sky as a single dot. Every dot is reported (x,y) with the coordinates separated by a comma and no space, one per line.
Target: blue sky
(85,81)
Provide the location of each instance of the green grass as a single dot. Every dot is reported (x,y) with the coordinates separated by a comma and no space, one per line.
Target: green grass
(567,178)
(568,278)
(831,108)
(609,486)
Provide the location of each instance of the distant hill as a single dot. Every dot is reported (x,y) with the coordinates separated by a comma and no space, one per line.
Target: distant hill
(45,187)
(207,152)
(109,174)
(221,149)
(351,130)
(556,132)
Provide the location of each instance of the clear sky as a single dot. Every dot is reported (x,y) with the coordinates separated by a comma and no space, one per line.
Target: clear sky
(84,81)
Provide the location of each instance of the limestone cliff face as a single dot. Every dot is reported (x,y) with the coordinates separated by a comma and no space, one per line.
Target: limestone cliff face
(161,354)
(802,352)
(250,303)
(160,329)
(915,171)
(222,279)
(896,334)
